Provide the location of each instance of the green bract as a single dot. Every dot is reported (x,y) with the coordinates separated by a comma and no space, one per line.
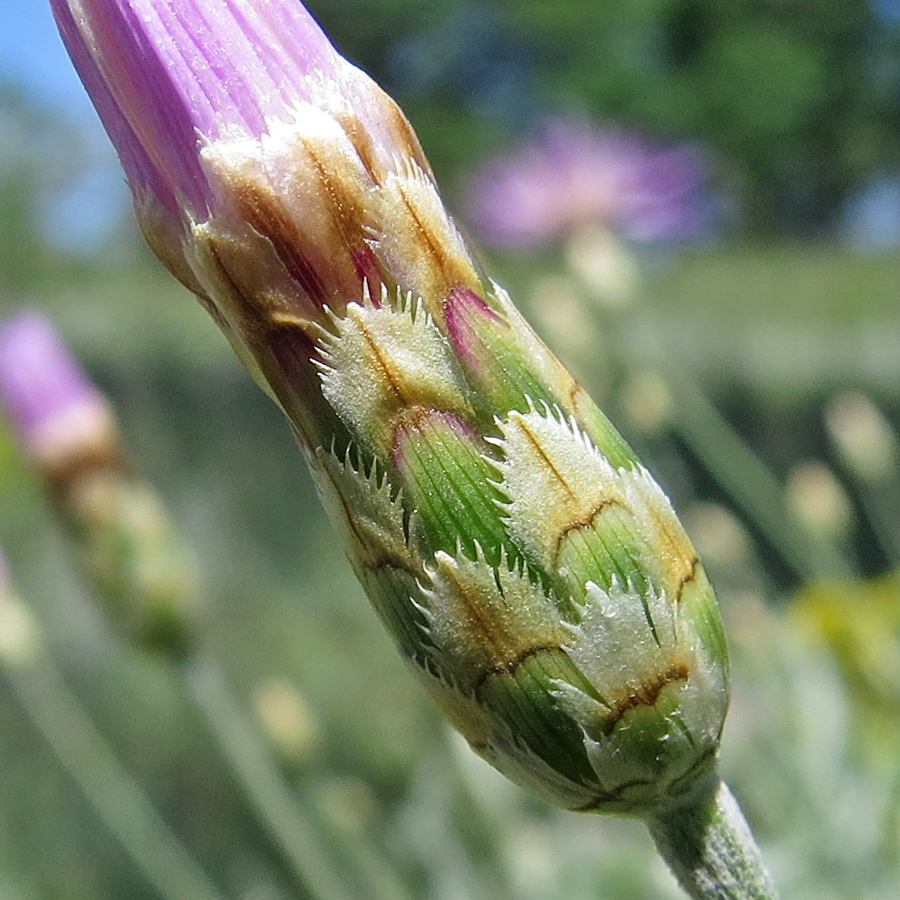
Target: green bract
(548,599)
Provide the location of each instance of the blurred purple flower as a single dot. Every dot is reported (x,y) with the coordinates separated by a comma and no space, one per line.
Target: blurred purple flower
(49,400)
(570,173)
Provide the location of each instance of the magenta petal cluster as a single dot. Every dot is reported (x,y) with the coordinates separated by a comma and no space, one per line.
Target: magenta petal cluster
(570,173)
(167,77)
(275,179)
(46,395)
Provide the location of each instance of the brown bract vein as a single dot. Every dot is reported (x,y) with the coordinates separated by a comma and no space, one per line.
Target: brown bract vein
(346,216)
(427,234)
(688,577)
(512,664)
(375,555)
(535,442)
(487,630)
(397,125)
(269,219)
(585,522)
(645,695)
(390,377)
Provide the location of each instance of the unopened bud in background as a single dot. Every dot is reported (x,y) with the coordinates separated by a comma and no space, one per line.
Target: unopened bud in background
(863,436)
(64,423)
(67,430)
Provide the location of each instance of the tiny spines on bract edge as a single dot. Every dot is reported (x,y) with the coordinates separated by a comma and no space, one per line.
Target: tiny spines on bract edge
(485,618)
(554,477)
(378,360)
(417,240)
(363,506)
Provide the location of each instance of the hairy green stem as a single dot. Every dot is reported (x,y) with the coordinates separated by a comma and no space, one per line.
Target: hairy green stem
(709,847)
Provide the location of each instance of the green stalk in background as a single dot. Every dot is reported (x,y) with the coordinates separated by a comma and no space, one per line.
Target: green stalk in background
(118,800)
(530,570)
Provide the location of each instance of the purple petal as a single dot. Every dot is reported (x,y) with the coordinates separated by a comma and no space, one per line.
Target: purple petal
(40,381)
(570,173)
(166,75)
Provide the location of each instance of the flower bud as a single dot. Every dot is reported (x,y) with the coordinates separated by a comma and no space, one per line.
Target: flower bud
(68,431)
(529,569)
(64,423)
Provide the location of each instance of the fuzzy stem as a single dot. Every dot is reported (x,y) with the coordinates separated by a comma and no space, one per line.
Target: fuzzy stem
(708,846)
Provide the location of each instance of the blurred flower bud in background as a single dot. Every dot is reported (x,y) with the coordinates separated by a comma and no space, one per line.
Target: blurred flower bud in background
(64,423)
(570,173)
(67,429)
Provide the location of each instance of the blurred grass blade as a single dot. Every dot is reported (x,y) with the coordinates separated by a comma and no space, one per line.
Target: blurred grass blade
(296,832)
(748,481)
(869,447)
(114,795)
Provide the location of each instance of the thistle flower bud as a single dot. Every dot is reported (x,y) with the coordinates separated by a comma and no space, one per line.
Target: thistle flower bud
(68,430)
(530,570)
(64,423)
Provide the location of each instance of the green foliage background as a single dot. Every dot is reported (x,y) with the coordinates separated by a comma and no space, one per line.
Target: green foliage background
(799,98)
